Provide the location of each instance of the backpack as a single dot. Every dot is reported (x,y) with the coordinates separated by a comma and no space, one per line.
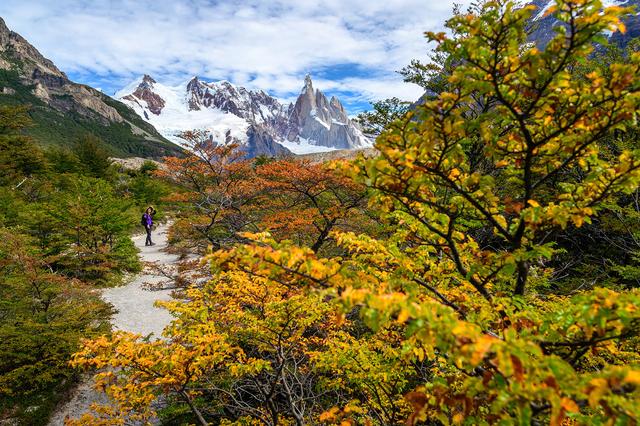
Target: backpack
(143,221)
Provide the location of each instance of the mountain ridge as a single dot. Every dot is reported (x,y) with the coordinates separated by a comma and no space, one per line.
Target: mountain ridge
(63,111)
(252,118)
(542,25)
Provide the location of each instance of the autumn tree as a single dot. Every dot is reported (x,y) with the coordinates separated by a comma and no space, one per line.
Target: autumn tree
(305,202)
(215,184)
(240,350)
(445,321)
(476,180)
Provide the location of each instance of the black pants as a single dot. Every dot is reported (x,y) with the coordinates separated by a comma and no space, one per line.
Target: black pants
(148,242)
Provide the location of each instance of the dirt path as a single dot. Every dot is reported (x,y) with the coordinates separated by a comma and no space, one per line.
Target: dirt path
(136,313)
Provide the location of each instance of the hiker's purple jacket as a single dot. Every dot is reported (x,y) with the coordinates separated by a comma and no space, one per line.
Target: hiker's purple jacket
(148,220)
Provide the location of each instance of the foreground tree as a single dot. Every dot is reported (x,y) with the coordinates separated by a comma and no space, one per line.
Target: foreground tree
(445,321)
(43,315)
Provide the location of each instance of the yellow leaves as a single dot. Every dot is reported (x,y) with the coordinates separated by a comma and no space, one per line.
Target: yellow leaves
(500,220)
(438,37)
(403,316)
(482,346)
(547,120)
(329,415)
(550,11)
(569,405)
(457,418)
(632,377)
(578,221)
(419,353)
(598,387)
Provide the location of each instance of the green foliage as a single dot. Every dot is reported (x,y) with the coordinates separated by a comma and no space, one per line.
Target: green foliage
(96,221)
(63,232)
(383,114)
(63,160)
(148,167)
(54,128)
(148,190)
(93,157)
(18,156)
(43,315)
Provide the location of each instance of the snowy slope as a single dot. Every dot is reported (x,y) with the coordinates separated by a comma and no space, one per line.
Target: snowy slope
(254,119)
(543,24)
(176,117)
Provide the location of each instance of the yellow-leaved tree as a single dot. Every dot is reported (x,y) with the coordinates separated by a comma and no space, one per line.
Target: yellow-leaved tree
(449,319)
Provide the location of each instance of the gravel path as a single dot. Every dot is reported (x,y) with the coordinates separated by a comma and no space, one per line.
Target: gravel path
(136,313)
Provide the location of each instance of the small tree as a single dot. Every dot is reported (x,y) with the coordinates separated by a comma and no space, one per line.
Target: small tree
(93,156)
(94,225)
(306,201)
(19,157)
(217,184)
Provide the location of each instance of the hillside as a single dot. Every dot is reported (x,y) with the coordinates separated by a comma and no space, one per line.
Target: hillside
(62,110)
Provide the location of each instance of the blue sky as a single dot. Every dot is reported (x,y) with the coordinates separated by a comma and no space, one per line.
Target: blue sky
(352,48)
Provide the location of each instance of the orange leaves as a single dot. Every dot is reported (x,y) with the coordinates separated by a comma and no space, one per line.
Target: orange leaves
(305,201)
(481,348)
(447,309)
(287,264)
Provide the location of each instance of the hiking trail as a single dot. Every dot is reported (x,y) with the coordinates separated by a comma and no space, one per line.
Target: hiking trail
(135,313)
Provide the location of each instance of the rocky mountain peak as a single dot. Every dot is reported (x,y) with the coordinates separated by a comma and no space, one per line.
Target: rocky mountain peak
(3,27)
(252,118)
(145,92)
(147,79)
(308,84)
(17,53)
(335,103)
(315,118)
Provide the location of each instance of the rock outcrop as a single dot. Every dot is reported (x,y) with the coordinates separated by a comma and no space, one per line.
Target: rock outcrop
(144,92)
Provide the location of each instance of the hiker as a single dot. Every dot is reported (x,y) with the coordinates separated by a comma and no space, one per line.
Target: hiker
(147,222)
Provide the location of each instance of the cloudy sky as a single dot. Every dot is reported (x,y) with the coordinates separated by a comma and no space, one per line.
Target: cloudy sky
(352,48)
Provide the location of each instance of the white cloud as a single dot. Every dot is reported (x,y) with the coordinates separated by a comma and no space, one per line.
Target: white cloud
(261,44)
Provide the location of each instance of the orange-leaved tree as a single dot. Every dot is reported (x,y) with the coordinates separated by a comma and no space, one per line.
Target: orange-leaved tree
(216,184)
(305,201)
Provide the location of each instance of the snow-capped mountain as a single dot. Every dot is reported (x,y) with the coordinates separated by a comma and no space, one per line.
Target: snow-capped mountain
(325,122)
(542,25)
(254,119)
